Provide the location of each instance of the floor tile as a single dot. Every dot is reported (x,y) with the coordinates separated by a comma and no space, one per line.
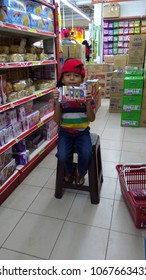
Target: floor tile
(109,169)
(6,254)
(50,161)
(46,204)
(110,155)
(110,144)
(113,134)
(38,177)
(34,235)
(8,220)
(132,157)
(125,247)
(22,197)
(51,181)
(80,242)
(82,211)
(134,146)
(122,221)
(108,188)
(135,137)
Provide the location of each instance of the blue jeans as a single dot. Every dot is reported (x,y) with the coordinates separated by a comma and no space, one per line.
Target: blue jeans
(82,142)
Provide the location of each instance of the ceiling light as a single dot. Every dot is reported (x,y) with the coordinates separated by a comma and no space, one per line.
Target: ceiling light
(75,8)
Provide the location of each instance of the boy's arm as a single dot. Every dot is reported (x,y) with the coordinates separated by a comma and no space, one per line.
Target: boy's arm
(90,110)
(57,109)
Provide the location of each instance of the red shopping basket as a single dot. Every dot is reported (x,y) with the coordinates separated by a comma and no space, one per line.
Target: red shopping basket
(132,178)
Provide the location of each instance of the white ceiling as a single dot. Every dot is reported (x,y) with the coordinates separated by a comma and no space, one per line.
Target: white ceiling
(78,21)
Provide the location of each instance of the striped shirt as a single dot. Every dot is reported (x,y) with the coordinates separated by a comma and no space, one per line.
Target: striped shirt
(74,116)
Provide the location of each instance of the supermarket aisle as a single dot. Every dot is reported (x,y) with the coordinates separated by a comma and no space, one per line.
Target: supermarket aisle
(35,225)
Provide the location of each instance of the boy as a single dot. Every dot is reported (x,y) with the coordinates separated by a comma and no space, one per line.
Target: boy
(73,119)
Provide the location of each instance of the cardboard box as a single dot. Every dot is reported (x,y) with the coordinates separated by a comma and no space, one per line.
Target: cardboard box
(111,10)
(143,118)
(115,105)
(73,51)
(143,105)
(109,58)
(137,38)
(120,61)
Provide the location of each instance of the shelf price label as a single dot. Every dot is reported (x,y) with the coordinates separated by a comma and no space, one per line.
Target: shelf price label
(42,151)
(39,94)
(40,124)
(35,63)
(32,30)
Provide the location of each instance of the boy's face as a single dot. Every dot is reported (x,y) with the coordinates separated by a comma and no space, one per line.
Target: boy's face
(72,79)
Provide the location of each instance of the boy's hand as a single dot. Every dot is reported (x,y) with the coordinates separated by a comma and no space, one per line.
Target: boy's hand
(88,96)
(56,94)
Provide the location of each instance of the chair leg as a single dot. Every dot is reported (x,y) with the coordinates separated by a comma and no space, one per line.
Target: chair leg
(93,183)
(59,180)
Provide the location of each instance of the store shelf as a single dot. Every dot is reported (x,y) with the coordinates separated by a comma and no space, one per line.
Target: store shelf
(37,153)
(23,100)
(46,3)
(9,65)
(26,133)
(48,70)
(21,30)
(123,18)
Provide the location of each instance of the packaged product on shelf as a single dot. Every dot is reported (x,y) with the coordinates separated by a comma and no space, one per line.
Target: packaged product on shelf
(32,119)
(12,96)
(44,56)
(30,57)
(18,5)
(29,82)
(5,158)
(33,49)
(33,7)
(4,49)
(17,129)
(3,120)
(11,116)
(47,12)
(28,107)
(30,90)
(16,57)
(20,85)
(21,113)
(48,25)
(35,21)
(17,49)
(7,171)
(21,158)
(3,93)
(8,133)
(22,93)
(4,57)
(2,138)
(20,146)
(12,16)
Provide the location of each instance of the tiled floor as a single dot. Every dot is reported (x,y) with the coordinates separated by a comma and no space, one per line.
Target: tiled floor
(35,225)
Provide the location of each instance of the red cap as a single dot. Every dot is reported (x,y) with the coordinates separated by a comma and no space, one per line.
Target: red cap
(66,32)
(74,66)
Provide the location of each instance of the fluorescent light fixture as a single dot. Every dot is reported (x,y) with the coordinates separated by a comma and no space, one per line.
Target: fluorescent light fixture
(75,8)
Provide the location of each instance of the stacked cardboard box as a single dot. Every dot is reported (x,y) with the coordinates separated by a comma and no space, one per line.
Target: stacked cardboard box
(116,92)
(132,98)
(143,107)
(136,50)
(73,51)
(102,72)
(95,89)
